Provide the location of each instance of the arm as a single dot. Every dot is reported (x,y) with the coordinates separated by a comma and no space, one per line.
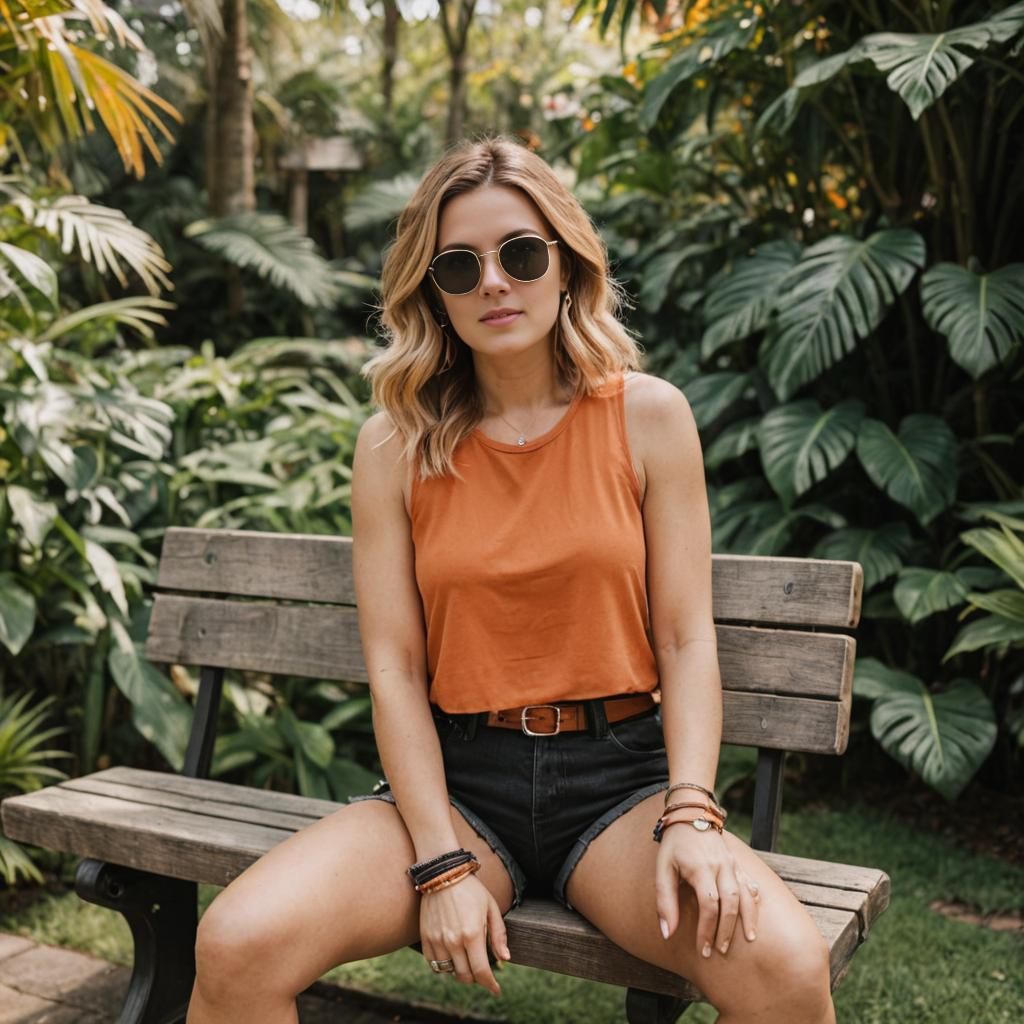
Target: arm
(677,527)
(393,639)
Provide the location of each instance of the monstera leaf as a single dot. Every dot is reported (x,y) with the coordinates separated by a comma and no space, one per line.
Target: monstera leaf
(731,443)
(837,293)
(741,298)
(916,467)
(880,552)
(710,394)
(943,737)
(922,592)
(921,66)
(982,315)
(801,443)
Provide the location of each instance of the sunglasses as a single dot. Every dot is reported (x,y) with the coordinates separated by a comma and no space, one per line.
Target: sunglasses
(524,258)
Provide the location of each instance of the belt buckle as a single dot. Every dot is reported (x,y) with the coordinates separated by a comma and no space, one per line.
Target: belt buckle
(529,731)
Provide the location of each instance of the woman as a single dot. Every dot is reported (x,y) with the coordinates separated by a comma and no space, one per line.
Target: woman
(532,564)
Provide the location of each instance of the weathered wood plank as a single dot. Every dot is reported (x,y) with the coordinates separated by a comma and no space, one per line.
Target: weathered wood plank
(305,567)
(842,886)
(198,812)
(541,933)
(169,842)
(323,642)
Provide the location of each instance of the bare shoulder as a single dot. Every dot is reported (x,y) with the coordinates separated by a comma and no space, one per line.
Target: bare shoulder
(655,397)
(658,421)
(379,466)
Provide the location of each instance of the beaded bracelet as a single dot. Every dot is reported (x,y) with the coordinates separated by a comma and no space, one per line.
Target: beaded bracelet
(423,864)
(441,867)
(449,878)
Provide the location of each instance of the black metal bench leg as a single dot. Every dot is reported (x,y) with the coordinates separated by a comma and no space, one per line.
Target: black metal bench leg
(163,916)
(653,1007)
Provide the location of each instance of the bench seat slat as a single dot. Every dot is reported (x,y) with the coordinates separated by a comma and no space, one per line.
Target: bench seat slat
(848,886)
(313,567)
(210,831)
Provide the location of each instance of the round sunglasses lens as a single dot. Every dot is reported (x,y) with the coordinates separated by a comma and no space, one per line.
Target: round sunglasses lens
(457,271)
(525,259)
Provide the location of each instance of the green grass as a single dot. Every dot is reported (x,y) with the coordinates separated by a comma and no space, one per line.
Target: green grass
(916,965)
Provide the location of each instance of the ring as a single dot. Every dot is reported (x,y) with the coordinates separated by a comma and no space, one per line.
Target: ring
(442,966)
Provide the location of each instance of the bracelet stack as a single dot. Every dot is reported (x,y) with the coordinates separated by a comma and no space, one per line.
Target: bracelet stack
(713,815)
(444,870)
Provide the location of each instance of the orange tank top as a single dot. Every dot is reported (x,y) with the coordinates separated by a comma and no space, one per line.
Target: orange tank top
(532,570)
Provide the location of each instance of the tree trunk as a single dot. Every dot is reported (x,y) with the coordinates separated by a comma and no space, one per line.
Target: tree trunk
(392,21)
(232,187)
(230,133)
(456,37)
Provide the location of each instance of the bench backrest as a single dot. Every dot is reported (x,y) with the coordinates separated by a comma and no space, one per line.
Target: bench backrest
(787,684)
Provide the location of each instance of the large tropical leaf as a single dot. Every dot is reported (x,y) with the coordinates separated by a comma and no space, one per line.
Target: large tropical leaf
(988,631)
(32,513)
(982,315)
(922,592)
(275,249)
(159,711)
(60,84)
(732,442)
(713,40)
(711,394)
(101,235)
(1002,547)
(35,270)
(17,613)
(916,467)
(880,552)
(741,297)
(836,294)
(801,443)
(943,737)
(921,66)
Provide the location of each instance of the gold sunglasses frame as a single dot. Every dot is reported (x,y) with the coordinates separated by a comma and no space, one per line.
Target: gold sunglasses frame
(480,262)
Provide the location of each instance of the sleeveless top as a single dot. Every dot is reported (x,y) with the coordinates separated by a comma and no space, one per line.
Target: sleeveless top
(532,571)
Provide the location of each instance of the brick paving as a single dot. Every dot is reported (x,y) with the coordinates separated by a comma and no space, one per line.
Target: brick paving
(42,984)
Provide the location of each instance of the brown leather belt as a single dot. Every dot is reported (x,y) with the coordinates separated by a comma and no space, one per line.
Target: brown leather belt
(566,716)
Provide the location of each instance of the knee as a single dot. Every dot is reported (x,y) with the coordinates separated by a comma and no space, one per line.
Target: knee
(232,951)
(797,969)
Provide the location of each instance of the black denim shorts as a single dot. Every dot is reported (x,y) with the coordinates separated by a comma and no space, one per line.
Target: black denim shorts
(539,801)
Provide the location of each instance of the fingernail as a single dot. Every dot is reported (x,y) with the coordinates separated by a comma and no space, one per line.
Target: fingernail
(506,953)
(725,947)
(751,936)
(707,949)
(664,926)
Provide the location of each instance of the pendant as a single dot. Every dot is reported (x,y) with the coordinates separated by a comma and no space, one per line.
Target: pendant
(521,441)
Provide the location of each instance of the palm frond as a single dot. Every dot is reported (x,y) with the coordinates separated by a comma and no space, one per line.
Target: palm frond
(275,249)
(101,235)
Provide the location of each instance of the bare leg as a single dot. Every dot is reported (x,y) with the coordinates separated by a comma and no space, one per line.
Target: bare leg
(780,978)
(334,892)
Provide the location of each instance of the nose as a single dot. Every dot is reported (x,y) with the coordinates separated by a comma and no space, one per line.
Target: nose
(492,276)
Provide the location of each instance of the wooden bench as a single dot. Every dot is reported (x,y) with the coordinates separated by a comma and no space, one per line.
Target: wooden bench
(148,837)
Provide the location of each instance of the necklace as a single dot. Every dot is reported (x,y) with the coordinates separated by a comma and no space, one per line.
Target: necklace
(521,440)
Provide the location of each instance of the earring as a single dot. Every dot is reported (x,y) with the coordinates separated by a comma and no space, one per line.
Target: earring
(449,349)
(566,300)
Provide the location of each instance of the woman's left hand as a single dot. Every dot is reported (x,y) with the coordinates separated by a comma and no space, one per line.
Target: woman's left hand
(722,889)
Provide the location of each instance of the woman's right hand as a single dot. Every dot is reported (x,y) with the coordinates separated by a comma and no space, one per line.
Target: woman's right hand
(455,924)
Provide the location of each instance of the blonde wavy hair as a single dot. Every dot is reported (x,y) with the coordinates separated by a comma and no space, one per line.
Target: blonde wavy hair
(424,376)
